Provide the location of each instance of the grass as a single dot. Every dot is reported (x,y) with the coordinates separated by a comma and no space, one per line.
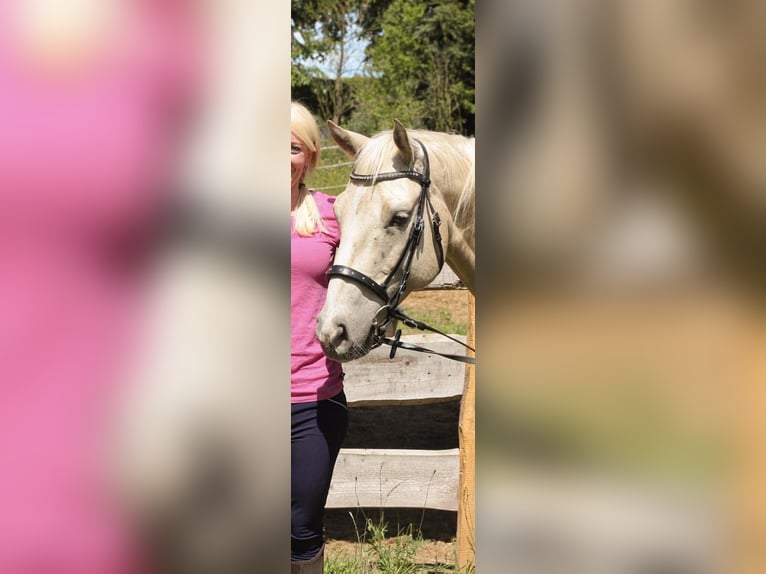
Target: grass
(332,172)
(375,552)
(440,319)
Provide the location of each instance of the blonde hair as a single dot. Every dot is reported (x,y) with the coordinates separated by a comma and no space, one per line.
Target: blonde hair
(306,217)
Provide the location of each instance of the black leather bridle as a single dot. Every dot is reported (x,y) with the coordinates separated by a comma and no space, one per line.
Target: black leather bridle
(390,308)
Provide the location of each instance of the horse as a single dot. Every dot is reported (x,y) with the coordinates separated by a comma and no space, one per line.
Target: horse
(407,209)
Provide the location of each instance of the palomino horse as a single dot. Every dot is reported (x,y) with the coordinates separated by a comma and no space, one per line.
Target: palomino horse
(407,209)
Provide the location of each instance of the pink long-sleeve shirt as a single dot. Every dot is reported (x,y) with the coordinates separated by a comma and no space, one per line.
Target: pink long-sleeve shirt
(314,377)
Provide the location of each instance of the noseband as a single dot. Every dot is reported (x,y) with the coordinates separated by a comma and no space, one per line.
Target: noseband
(390,308)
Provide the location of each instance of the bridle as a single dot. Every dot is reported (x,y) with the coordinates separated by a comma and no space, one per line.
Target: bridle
(390,308)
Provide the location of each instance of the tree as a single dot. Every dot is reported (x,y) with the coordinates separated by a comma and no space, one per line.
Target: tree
(326,35)
(418,65)
(423,58)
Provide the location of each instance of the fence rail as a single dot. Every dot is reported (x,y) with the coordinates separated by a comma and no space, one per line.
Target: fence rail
(396,478)
(409,378)
(339,164)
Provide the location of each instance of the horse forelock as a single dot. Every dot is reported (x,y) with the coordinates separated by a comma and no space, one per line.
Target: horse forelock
(373,158)
(452,159)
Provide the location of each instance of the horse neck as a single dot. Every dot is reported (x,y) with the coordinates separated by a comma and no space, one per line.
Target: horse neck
(460,253)
(450,184)
(452,188)
(461,259)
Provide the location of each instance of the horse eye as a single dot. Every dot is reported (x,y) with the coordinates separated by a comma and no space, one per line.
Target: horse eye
(399,219)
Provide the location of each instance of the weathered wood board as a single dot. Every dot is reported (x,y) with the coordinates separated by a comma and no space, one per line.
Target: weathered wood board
(410,377)
(396,478)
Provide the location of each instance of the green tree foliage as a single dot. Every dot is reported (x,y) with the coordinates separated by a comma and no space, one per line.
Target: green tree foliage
(419,64)
(423,60)
(306,45)
(325,34)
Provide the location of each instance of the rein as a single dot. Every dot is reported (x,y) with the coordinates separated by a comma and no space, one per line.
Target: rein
(390,309)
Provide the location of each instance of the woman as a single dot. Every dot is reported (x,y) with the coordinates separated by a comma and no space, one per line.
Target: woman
(318,404)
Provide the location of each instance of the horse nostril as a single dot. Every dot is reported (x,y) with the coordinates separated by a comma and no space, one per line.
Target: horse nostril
(341,334)
(332,334)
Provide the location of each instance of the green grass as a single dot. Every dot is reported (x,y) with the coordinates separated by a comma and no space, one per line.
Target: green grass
(440,319)
(375,552)
(328,173)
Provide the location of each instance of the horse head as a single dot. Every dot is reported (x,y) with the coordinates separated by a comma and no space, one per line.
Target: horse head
(395,227)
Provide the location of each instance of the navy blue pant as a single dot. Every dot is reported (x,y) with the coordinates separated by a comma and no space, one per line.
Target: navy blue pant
(318,429)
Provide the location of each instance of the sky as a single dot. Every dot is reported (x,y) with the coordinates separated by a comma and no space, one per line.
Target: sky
(354,58)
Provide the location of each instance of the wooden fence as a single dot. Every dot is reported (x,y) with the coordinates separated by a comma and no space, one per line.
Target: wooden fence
(400,478)
(405,478)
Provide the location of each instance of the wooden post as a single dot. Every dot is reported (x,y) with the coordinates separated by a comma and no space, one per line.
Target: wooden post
(466,514)
(750,495)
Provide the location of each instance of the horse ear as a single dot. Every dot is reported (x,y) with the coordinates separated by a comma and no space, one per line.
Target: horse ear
(350,142)
(402,141)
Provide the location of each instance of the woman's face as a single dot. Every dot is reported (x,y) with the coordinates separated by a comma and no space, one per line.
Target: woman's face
(299,160)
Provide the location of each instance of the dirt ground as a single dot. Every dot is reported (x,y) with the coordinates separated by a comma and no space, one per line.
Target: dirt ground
(403,427)
(429,302)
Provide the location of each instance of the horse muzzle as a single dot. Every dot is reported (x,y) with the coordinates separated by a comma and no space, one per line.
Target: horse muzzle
(338,343)
(334,339)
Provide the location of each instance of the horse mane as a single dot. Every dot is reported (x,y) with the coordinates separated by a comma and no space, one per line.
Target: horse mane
(452,159)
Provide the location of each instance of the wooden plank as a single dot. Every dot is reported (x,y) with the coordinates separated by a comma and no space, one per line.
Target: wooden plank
(466,516)
(410,377)
(381,478)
